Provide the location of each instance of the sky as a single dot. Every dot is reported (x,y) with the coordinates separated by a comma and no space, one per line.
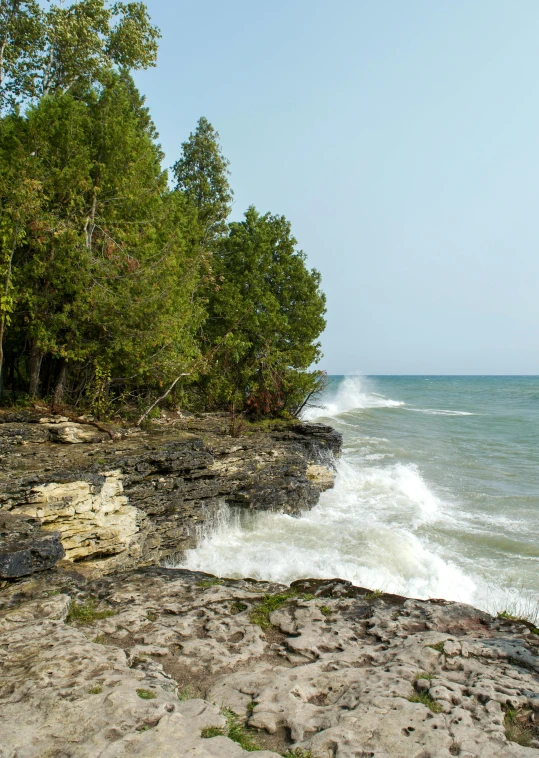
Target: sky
(401,140)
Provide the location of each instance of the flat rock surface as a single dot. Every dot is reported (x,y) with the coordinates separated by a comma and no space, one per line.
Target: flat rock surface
(153,662)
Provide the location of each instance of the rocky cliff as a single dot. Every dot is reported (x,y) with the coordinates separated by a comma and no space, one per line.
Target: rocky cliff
(142,499)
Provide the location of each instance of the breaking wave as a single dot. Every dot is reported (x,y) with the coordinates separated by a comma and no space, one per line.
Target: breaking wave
(402,517)
(349,396)
(364,530)
(440,412)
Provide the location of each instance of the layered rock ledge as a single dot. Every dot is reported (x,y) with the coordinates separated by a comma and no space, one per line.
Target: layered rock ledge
(159,663)
(113,503)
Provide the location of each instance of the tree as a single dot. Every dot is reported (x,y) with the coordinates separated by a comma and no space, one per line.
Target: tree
(20,201)
(21,34)
(272,310)
(202,176)
(44,52)
(106,276)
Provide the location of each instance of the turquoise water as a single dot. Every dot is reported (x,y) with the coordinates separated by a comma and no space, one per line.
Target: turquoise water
(436,495)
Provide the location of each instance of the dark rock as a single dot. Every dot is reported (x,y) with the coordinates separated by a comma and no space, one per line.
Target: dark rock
(25,547)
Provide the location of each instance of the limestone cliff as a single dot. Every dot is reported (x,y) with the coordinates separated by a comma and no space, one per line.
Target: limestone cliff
(142,499)
(104,655)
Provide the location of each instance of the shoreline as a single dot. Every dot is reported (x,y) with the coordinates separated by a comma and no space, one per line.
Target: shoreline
(105,656)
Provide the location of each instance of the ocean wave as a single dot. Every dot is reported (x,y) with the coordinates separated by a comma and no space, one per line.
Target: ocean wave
(386,525)
(350,396)
(364,530)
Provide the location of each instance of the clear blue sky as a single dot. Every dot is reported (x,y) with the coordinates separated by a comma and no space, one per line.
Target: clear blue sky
(401,139)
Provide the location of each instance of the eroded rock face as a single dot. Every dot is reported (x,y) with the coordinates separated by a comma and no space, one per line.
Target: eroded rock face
(147,498)
(339,672)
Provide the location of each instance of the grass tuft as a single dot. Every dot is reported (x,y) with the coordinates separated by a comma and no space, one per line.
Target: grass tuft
(517,730)
(326,610)
(233,730)
(205,583)
(188,693)
(422,697)
(261,613)
(146,694)
(95,690)
(213,731)
(86,613)
(373,595)
(519,620)
(250,708)
(151,615)
(424,675)
(439,647)
(237,733)
(299,752)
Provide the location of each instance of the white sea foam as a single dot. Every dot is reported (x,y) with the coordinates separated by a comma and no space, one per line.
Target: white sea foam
(350,396)
(364,530)
(441,412)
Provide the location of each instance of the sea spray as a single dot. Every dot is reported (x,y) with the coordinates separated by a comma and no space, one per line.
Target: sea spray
(350,395)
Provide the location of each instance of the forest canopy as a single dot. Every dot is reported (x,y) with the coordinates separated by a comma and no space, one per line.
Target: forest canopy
(120,285)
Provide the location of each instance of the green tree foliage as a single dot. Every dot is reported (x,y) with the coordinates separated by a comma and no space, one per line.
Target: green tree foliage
(113,286)
(105,277)
(20,200)
(202,176)
(268,308)
(44,52)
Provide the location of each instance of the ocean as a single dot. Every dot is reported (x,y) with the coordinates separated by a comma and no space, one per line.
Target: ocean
(436,495)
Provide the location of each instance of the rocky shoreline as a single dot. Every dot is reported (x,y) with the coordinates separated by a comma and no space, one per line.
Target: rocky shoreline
(142,498)
(106,653)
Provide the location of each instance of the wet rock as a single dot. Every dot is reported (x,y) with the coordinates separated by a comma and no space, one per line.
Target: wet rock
(25,547)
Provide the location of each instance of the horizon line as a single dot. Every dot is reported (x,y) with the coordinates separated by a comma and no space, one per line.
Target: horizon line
(489,376)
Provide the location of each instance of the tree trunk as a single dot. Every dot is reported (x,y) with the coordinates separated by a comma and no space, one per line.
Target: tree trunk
(36,356)
(1,357)
(60,383)
(9,373)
